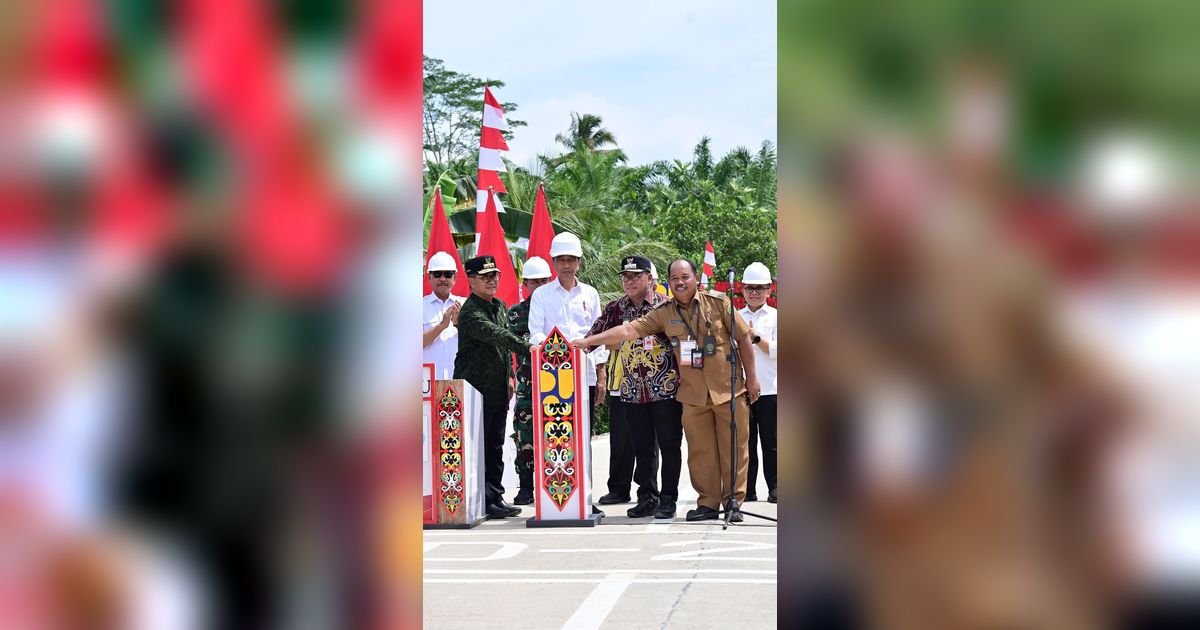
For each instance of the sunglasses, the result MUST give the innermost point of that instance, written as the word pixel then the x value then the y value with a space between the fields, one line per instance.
pixel 755 289
pixel 442 274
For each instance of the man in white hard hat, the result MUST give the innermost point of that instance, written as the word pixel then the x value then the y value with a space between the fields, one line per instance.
pixel 572 307
pixel 762 319
pixel 534 274
pixel 440 316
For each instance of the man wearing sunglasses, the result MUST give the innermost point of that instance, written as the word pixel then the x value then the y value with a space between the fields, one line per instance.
pixel 440 316
pixel 762 318
pixel 484 361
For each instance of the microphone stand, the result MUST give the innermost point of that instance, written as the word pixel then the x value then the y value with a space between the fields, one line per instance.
pixel 731 505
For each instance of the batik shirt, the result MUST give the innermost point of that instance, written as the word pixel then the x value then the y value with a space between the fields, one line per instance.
pixel 645 369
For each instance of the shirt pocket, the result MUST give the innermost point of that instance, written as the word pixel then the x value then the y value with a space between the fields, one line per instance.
pixel 676 331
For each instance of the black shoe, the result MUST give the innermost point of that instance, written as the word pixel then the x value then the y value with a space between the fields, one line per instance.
pixel 596 510
pixel 750 497
pixel 702 513
pixel 496 510
pixel 508 506
pixel 735 516
pixel 613 498
pixel 666 509
pixel 645 507
pixel 771 498
pixel 525 493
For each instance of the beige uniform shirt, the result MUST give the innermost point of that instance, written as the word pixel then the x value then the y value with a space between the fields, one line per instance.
pixel 708 314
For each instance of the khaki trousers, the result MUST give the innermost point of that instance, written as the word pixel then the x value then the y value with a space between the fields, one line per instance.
pixel 707 430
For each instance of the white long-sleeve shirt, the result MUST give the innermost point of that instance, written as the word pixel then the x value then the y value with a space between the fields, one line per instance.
pixel 442 350
pixel 765 322
pixel 573 312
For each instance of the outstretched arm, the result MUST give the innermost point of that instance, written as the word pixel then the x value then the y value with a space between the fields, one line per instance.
pixel 614 335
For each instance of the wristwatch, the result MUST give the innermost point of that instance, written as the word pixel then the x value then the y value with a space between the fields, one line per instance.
pixel 756 339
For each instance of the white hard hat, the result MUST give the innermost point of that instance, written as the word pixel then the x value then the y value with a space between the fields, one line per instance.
pixel 654 272
pixel 756 273
pixel 566 244
pixel 535 268
pixel 442 261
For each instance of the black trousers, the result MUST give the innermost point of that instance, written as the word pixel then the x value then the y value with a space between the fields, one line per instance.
pixel 763 423
pixel 656 427
pixel 494 421
pixel 620 448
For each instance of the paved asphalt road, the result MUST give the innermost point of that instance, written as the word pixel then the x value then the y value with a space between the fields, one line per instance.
pixel 624 573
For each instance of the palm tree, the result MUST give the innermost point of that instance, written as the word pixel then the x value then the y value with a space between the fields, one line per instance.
pixel 702 159
pixel 586 132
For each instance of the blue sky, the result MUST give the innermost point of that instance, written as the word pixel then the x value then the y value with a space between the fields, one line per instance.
pixel 660 73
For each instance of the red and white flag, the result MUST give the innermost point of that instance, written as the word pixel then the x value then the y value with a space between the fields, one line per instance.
pixel 441 240
pixel 710 263
pixel 541 233
pixel 491 143
pixel 492 243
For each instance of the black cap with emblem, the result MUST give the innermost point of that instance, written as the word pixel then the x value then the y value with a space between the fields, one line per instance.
pixel 638 264
pixel 481 265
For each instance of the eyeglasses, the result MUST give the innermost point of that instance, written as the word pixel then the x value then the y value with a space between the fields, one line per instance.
pixel 491 277
pixel 755 288
pixel 630 277
pixel 442 274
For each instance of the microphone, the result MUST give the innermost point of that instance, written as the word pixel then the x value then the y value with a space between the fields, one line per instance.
pixel 731 276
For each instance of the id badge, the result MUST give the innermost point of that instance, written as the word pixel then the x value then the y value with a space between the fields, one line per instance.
pixel 686 347
pixel 697 358
pixel 648 344
pixel 710 345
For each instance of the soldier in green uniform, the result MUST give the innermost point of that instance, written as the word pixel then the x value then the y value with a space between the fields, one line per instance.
pixel 484 360
pixel 535 273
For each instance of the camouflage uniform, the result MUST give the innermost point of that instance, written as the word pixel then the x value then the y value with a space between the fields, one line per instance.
pixel 518 324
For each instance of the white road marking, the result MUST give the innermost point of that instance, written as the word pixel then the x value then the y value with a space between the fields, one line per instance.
pixel 705 527
pixel 506 550
pixel 599 549
pixel 593 571
pixel 594 610
pixel 597 580
pixel 711 554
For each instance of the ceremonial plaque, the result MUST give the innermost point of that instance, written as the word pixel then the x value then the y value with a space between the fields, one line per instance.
pixel 426 435
pixel 456 455
pixel 561 436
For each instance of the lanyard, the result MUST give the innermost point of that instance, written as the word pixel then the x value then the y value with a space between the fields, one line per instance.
pixel 707 324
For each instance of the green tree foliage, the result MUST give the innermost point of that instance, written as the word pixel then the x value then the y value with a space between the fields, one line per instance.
pixel 731 203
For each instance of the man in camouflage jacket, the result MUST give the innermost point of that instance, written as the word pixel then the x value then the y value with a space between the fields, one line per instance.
pixel 535 273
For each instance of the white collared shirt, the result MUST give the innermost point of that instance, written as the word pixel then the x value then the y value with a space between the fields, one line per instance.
pixel 442 350
pixel 573 312
pixel 765 322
